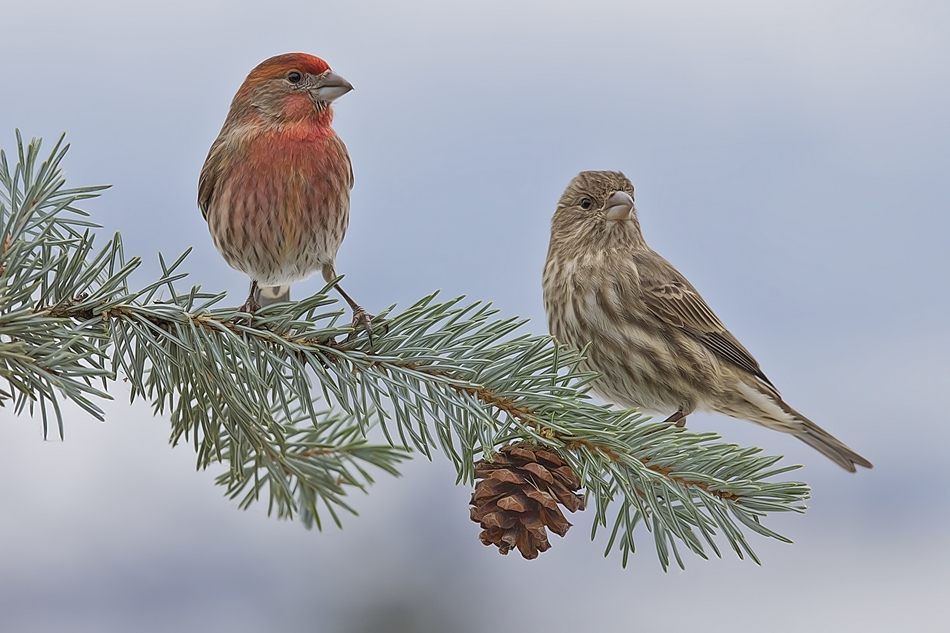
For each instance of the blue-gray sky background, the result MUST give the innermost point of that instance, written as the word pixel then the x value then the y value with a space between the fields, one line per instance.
pixel 790 158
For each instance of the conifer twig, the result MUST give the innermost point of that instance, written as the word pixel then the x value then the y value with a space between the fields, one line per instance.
pixel 287 401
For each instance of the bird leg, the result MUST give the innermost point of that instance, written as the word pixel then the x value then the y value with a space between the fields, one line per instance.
pixel 252 305
pixel 678 418
pixel 360 315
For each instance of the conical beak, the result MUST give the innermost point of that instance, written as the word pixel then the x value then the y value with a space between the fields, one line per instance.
pixel 330 86
pixel 619 206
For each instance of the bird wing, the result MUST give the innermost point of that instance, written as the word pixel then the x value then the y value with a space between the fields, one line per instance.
pixel 341 148
pixel 671 298
pixel 209 177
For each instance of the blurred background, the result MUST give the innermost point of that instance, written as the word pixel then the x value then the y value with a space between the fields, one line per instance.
pixel 791 159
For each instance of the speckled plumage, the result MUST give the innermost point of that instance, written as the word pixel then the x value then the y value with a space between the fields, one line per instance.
pixel 654 340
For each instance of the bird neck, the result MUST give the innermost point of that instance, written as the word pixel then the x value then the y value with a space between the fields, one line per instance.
pixel 302 109
pixel 626 234
pixel 310 128
pixel 254 123
pixel 264 112
pixel 599 235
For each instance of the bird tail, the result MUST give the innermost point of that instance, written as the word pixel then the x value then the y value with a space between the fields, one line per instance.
pixel 829 446
pixel 772 412
pixel 267 295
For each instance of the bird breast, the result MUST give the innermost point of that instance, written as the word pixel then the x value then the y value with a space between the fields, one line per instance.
pixel 596 300
pixel 280 207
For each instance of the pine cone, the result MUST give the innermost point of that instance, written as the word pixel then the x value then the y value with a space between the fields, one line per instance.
pixel 518 497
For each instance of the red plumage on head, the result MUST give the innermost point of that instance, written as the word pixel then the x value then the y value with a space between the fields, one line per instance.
pixel 278 65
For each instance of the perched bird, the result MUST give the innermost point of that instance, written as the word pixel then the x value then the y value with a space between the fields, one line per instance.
pixel 655 343
pixel 275 187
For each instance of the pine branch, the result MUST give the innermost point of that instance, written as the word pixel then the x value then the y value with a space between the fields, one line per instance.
pixel 246 391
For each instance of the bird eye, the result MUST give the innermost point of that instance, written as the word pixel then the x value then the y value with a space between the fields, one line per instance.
pixel 294 77
pixel 586 203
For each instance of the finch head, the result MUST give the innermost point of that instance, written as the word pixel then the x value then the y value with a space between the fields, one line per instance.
pixel 288 88
pixel 596 209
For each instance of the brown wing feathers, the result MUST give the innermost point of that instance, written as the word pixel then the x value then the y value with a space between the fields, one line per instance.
pixel 672 299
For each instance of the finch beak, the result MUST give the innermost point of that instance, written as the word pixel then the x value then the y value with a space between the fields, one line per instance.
pixel 619 206
pixel 330 86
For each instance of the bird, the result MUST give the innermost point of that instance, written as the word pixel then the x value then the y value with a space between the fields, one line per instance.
pixel 275 186
pixel 655 343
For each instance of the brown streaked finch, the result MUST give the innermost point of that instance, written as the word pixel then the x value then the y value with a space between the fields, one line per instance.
pixel 275 187
pixel 655 343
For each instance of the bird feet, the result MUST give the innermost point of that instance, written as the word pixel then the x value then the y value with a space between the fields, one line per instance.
pixel 363 318
pixel 360 316
pixel 250 306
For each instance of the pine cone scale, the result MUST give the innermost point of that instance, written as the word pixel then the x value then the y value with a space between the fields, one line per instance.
pixel 540 471
pixel 514 503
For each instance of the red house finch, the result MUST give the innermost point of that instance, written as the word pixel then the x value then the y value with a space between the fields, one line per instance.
pixel 275 187
pixel 653 339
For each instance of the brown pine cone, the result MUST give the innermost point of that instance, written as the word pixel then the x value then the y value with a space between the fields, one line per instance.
pixel 518 497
